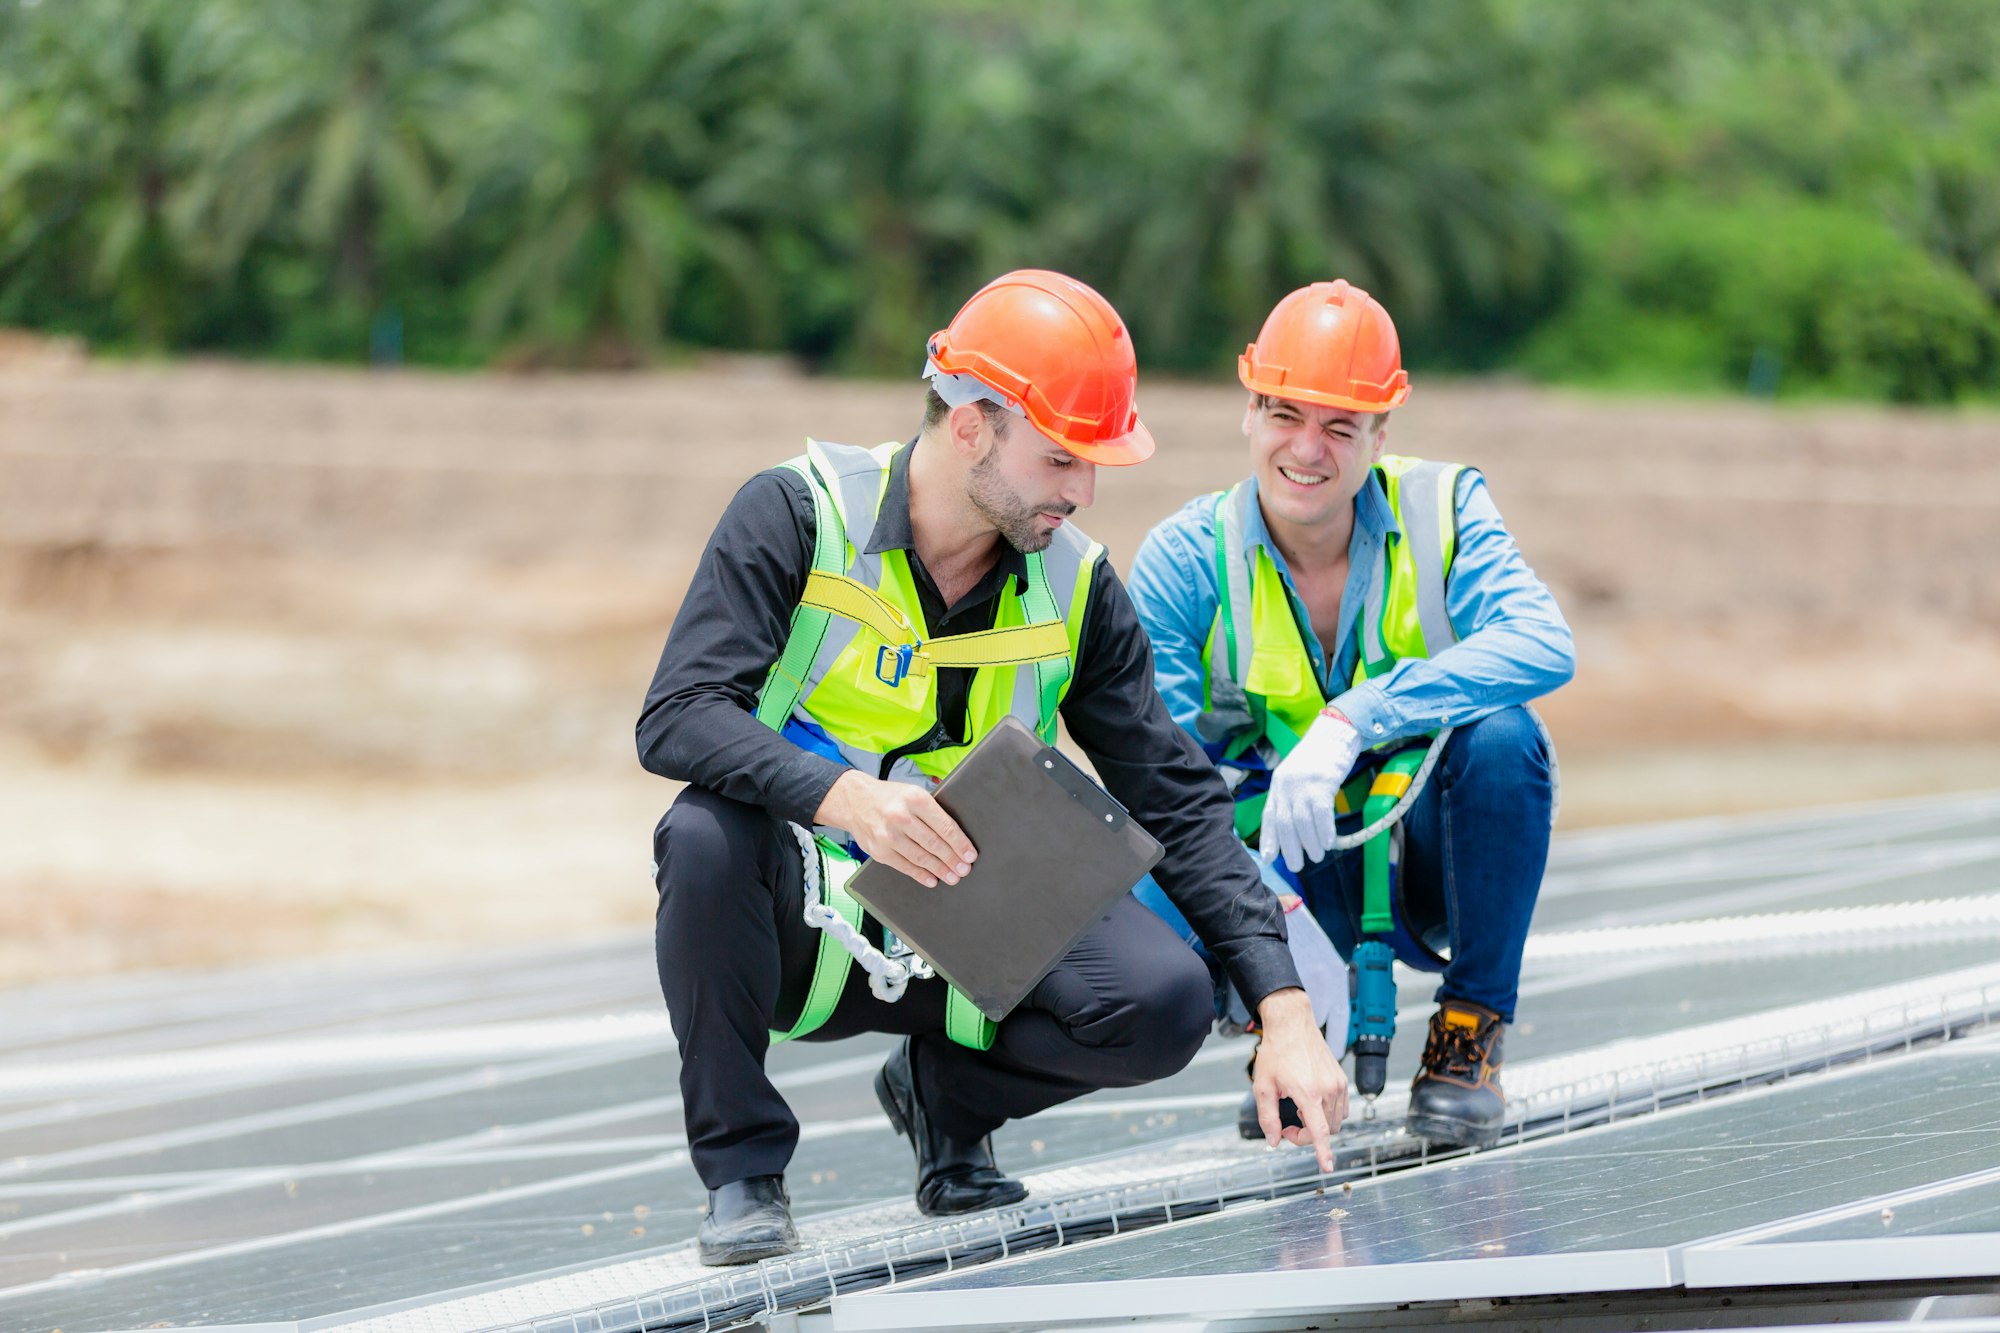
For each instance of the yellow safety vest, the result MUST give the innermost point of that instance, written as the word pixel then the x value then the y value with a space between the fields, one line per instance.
pixel 1262 692
pixel 858 669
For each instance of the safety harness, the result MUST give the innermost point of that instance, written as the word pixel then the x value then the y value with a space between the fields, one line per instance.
pixel 1263 691
pixel 833 607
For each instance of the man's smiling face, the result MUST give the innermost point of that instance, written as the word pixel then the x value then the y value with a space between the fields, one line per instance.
pixel 1310 461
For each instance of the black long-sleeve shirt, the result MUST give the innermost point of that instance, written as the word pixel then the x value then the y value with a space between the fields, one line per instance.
pixel 699 723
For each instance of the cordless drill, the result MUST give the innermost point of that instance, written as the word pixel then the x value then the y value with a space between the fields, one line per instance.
pixel 1371 1023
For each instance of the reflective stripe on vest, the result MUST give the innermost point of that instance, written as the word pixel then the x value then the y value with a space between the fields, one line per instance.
pixel 858 669
pixel 1407 617
pixel 1262 689
pixel 1022 665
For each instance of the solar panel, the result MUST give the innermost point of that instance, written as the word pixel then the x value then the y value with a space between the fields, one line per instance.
pixel 276 1144
pixel 1602 1210
pixel 1951 848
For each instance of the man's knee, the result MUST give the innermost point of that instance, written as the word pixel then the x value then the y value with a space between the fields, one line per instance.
pixel 1174 1007
pixel 709 847
pixel 1140 1022
pixel 1509 743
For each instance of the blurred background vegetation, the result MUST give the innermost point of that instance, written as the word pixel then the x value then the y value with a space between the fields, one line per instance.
pixel 1795 197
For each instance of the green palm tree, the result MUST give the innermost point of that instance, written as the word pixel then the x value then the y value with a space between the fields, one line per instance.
pixel 95 159
pixel 937 150
pixel 1292 140
pixel 329 130
pixel 622 143
pixel 896 168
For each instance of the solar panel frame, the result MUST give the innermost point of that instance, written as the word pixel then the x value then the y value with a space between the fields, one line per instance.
pixel 1949 1228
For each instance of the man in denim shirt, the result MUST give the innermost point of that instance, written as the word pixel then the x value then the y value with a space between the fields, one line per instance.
pixel 1344 599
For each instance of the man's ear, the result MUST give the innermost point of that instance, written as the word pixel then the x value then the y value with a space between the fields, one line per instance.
pixel 1249 415
pixel 970 434
pixel 1381 438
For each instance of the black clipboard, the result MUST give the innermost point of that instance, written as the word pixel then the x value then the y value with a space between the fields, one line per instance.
pixel 1055 852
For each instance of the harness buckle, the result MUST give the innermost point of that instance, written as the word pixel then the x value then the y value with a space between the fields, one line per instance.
pixel 893 662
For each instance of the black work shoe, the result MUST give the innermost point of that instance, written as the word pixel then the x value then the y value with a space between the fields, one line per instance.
pixel 1456 1098
pixel 953 1175
pixel 747 1220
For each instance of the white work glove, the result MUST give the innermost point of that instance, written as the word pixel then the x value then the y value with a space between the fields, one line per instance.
pixel 1298 813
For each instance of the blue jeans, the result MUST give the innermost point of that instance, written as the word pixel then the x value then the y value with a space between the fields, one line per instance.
pixel 1475 845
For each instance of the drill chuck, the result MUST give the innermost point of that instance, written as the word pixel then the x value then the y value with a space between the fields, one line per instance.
pixel 1371 1069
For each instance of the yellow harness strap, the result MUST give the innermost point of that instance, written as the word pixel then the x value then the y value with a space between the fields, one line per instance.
pixel 1014 645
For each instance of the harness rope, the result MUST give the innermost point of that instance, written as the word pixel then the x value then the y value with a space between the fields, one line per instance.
pixel 887 977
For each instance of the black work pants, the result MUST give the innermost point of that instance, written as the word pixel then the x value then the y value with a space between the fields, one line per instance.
pixel 1128 1004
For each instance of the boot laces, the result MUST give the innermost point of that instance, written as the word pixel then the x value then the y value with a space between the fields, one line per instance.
pixel 1455 1050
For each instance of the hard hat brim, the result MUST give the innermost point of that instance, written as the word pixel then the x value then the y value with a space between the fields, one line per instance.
pixel 1319 399
pixel 1248 372
pixel 1135 446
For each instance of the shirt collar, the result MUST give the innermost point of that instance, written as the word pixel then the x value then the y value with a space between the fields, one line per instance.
pixel 1374 519
pixel 892 520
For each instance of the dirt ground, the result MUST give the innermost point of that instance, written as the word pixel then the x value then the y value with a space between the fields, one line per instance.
pixel 293 661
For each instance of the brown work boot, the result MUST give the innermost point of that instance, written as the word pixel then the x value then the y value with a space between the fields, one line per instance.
pixel 1456 1100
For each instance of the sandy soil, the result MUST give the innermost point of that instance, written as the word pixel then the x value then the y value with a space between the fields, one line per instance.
pixel 304 660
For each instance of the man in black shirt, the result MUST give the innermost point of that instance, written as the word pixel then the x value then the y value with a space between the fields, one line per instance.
pixel 784 719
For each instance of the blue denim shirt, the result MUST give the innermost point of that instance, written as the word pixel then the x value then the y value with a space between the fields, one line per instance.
pixel 1513 643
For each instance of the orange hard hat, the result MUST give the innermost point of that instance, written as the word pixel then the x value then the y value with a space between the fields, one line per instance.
pixel 1331 344
pixel 1057 351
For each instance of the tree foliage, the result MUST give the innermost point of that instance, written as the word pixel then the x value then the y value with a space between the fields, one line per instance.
pixel 1794 195
pixel 95 165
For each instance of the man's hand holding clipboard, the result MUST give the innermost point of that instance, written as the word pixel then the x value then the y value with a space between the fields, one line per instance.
pixel 899 825
pixel 1045 852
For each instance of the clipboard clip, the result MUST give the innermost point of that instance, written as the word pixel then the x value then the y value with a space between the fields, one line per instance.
pixel 893 662
pixel 1081 789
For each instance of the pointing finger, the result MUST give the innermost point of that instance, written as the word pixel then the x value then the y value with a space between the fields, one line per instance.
pixel 1314 1116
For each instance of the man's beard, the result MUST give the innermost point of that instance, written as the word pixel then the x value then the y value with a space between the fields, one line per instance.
pixel 1013 516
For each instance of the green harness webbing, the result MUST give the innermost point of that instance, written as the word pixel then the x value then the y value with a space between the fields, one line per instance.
pixel 1012 645
pixel 1052 674
pixel 808 631
pixel 1377 798
pixel 830 966
pixel 963 1022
